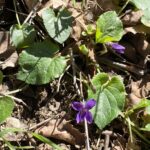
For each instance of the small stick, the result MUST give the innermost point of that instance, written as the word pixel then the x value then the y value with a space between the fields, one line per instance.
pixel 33 11
pixel 107 138
pixel 58 84
pixel 17 17
pixel 85 121
pixel 74 72
pixel 16 99
pixel 87 134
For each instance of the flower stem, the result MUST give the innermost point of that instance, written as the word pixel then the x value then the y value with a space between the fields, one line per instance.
pixel 86 133
pixel 17 17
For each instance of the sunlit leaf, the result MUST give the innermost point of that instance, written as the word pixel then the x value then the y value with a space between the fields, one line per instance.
pixel 141 4
pixel 110 97
pixel 58 27
pixel 38 64
pixel 108 28
pixel 6 108
pixel 146 17
pixel 22 36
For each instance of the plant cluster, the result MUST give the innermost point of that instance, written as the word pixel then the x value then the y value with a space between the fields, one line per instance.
pixel 41 61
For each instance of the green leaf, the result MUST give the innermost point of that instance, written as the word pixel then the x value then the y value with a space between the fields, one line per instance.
pixel 144 103
pixel 83 49
pixel 1 77
pixel 58 27
pixel 146 128
pixel 147 110
pixel 109 28
pixel 6 108
pixel 22 36
pixel 141 4
pixel 46 140
pixel 146 17
pixel 110 97
pixel 38 64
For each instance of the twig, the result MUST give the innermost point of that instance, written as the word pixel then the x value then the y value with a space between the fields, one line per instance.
pixel 33 11
pixel 123 7
pixel 124 67
pixel 40 124
pixel 74 72
pixel 8 94
pixel 17 17
pixel 107 138
pixel 58 84
pixel 85 121
pixel 16 99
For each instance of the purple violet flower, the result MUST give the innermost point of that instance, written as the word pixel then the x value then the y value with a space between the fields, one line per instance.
pixel 117 47
pixel 83 110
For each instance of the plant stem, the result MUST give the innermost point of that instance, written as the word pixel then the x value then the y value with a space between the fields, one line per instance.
pixel 17 17
pixel 123 7
pixel 86 133
pixel 140 135
pixel 130 129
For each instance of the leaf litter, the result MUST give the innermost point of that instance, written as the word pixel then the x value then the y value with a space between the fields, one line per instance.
pixel 46 101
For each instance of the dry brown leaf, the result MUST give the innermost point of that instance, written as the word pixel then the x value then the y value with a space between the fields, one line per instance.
pixel 10 61
pixel 31 3
pixel 5 41
pixel 134 144
pixel 8 55
pixel 140 28
pixel 108 4
pixel 139 89
pixel 139 42
pixel 133 18
pixel 12 122
pixel 62 130
pixel 130 52
pixel 55 4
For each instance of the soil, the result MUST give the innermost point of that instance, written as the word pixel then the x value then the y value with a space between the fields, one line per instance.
pixel 46 109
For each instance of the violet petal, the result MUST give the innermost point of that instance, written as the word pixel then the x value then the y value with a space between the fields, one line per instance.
pixel 80 116
pixel 119 48
pixel 90 103
pixel 78 106
pixel 89 117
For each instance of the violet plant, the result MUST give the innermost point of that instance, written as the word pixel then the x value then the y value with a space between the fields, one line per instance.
pixel 83 110
pixel 85 115
pixel 117 47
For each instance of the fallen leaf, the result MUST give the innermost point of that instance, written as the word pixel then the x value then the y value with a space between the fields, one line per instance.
pixel 133 18
pixel 10 61
pixel 139 89
pixel 5 41
pixel 55 4
pixel 8 55
pixel 12 122
pixel 31 3
pixel 62 130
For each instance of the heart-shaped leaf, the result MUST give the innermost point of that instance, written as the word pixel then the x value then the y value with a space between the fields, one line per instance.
pixel 109 28
pixel 38 64
pixel 59 28
pixel 22 36
pixel 110 97
pixel 141 4
pixel 6 108
pixel 146 17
